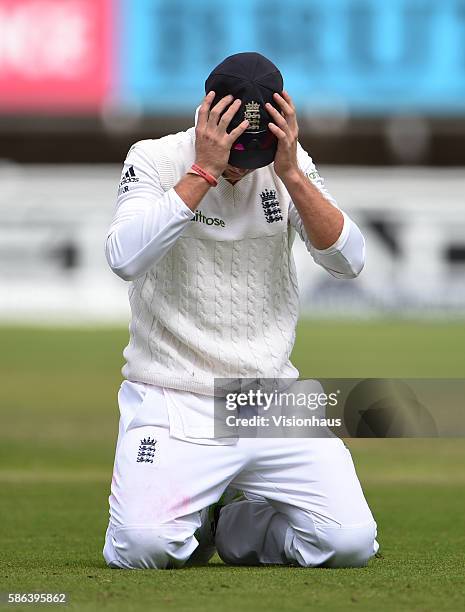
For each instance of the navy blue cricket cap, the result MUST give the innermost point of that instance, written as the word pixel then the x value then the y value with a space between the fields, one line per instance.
pixel 253 79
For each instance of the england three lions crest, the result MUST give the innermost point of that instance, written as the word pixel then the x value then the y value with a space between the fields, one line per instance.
pixel 270 206
pixel 146 451
pixel 252 114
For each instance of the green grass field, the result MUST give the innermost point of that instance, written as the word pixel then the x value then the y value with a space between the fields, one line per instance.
pixel 58 423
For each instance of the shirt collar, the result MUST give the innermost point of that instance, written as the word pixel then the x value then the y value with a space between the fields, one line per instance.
pixel 196 115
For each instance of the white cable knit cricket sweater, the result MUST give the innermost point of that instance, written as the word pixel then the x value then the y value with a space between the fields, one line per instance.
pixel 216 292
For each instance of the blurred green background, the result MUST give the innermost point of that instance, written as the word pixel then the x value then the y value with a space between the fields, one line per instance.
pixel 59 415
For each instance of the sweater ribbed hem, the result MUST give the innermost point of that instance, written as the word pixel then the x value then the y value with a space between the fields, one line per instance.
pixel 201 386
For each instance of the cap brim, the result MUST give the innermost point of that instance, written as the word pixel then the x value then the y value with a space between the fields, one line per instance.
pixel 252 159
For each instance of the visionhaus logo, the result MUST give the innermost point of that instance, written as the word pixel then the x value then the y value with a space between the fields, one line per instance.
pixel 201 218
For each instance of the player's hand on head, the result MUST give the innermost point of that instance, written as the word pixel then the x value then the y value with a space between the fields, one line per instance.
pixel 285 127
pixel 212 141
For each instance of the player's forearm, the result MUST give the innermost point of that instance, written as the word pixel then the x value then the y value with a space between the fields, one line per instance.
pixel 346 257
pixel 322 221
pixel 192 189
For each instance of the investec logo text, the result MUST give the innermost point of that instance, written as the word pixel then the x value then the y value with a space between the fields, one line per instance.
pixel 201 218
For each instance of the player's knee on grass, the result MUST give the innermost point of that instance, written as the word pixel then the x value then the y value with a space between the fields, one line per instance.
pixel 347 546
pixel 157 547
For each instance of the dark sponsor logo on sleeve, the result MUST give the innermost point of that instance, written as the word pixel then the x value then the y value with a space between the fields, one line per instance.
pixel 128 177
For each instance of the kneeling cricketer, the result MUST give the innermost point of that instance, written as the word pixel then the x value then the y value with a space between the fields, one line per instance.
pixel 202 232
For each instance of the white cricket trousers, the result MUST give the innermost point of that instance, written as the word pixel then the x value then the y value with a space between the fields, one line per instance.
pixel 304 505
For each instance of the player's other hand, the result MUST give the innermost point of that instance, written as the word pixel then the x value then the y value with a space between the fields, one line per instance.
pixel 212 142
pixel 284 127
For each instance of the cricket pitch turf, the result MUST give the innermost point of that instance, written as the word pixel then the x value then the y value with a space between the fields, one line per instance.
pixel 58 416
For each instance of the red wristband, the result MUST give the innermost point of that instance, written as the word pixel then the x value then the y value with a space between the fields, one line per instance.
pixel 204 174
